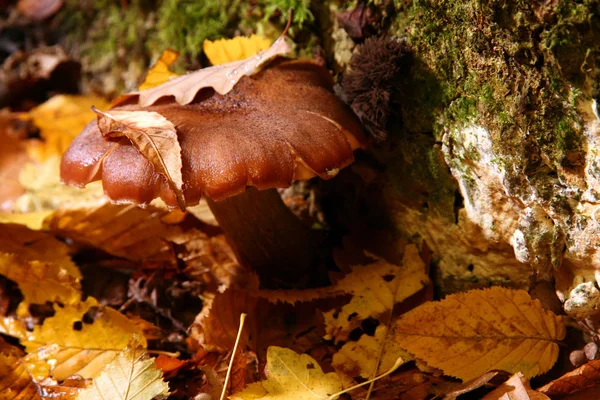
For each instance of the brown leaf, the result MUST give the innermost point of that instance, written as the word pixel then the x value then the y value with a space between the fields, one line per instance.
pixel 222 78
pixel 584 377
pixel 153 136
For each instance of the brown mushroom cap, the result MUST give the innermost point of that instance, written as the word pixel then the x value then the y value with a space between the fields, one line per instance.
pixel 279 125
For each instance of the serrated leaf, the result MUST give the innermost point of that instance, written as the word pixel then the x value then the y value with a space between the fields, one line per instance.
pixel 375 289
pixel 291 376
pixel 154 136
pixel 222 78
pixel 515 388
pixel 131 375
pixel 584 377
pixel 72 346
pixel 160 73
pixel 467 334
pixel 222 51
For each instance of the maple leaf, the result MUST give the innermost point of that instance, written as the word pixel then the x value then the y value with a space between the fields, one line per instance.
pixel 291 376
pixel 376 288
pixel 222 51
pixel 131 375
pixel 72 346
pixel 159 73
pixel 153 136
pixel 467 334
pixel 222 78
pixel 584 377
pixel 39 264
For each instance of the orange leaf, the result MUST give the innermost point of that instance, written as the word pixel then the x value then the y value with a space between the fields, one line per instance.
pixel 467 334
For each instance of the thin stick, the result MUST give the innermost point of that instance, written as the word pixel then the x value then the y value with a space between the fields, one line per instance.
pixel 237 340
pixel 398 363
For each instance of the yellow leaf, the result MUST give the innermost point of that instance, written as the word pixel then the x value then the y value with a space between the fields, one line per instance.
pixel 376 288
pixel 44 192
pixel 137 234
pixel 131 375
pixel 15 382
pixel 468 334
pixel 226 50
pixel 360 358
pixel 154 136
pixel 60 120
pixel 159 73
pixel 13 327
pixel 39 264
pixel 72 346
pixel 292 376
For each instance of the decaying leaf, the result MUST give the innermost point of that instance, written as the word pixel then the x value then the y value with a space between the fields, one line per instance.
pixel 515 388
pixel 291 376
pixel 72 345
pixel 222 78
pixel 375 289
pixel 360 358
pixel 467 334
pixel 222 51
pixel 581 378
pixel 131 375
pixel 154 137
pixel 160 73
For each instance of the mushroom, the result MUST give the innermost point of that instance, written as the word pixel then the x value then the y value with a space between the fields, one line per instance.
pixel 282 124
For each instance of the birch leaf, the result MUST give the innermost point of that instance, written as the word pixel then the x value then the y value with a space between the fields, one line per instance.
pixel 131 375
pixel 72 346
pixel 222 78
pixel 292 376
pixel 468 334
pixel 154 136
pixel 584 377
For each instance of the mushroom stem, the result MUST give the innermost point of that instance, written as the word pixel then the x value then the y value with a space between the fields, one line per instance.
pixel 267 237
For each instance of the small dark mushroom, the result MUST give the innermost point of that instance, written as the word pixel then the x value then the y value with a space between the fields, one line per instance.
pixel 279 125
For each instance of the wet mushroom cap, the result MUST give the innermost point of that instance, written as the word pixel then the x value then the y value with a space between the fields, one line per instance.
pixel 279 125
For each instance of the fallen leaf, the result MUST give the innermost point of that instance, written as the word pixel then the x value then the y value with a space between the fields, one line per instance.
pixel 375 289
pixel 467 334
pixel 131 375
pixel 360 358
pixel 134 233
pixel 71 345
pixel 60 119
pixel 451 390
pixel 579 379
pixel 39 264
pixel 160 73
pixel 291 376
pixel 15 382
pixel 154 137
pixel 222 51
pixel 515 388
pixel 222 78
